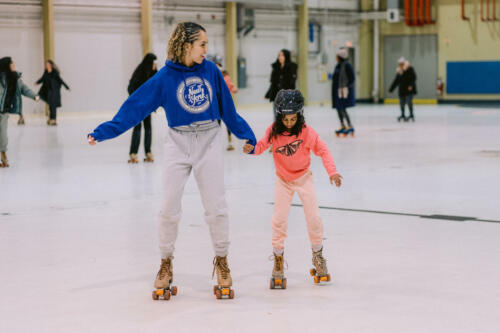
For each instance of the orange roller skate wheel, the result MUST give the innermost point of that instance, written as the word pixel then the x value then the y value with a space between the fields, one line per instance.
pixel 316 279
pixel 312 272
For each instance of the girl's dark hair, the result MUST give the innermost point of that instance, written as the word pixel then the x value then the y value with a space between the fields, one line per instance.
pixel 288 57
pixel 145 68
pixel 185 32
pixel 54 66
pixel 11 76
pixel 279 128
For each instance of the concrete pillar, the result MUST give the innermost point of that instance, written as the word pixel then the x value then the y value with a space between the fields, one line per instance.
pixel 48 29
pixel 48 34
pixel 303 49
pixel 366 52
pixel 231 43
pixel 147 26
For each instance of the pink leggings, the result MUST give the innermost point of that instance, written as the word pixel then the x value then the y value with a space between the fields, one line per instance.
pixel 283 194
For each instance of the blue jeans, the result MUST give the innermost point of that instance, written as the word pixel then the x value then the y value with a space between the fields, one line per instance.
pixel 403 100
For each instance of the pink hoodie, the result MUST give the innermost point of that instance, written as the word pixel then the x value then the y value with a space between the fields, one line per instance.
pixel 292 155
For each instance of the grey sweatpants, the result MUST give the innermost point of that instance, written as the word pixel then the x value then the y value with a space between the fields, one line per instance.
pixel 4 140
pixel 200 152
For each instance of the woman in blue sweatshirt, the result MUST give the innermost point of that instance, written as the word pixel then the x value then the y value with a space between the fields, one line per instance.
pixel 195 98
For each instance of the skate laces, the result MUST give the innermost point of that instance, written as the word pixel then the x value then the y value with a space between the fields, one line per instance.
pixel 279 262
pixel 164 268
pixel 221 263
pixel 318 259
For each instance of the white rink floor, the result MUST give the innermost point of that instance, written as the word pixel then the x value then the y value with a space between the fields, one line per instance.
pixel 78 245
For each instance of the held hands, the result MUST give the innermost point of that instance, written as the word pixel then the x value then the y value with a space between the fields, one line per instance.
pixel 247 148
pixel 37 98
pixel 337 178
pixel 92 141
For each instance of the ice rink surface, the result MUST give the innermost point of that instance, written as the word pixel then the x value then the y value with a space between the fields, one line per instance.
pixel 79 249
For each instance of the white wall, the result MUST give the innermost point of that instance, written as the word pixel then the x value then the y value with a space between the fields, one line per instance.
pixel 97 46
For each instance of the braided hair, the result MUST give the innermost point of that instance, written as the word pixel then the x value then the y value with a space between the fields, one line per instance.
pixel 184 33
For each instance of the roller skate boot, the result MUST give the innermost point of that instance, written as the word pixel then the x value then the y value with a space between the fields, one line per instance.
pixel 163 281
pixel 320 271
pixel 278 279
pixel 403 118
pixel 149 158
pixel 224 281
pixel 4 161
pixel 340 131
pixel 133 159
pixel 230 147
pixel 412 118
pixel 349 130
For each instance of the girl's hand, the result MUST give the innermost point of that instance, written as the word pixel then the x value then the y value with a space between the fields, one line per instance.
pixel 92 141
pixel 337 178
pixel 247 148
pixel 37 98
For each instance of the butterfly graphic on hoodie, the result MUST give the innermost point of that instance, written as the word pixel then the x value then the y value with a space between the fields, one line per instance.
pixel 289 149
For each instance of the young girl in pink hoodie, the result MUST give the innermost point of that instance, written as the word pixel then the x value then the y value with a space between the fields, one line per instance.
pixel 292 142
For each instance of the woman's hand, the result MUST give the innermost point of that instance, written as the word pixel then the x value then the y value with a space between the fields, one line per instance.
pixel 91 139
pixel 247 148
pixel 337 179
pixel 37 98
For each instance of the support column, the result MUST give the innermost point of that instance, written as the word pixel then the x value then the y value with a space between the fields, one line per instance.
pixel 147 26
pixel 48 29
pixel 303 49
pixel 231 43
pixel 366 50
pixel 48 35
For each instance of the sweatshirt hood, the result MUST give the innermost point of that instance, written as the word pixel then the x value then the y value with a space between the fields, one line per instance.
pixel 183 68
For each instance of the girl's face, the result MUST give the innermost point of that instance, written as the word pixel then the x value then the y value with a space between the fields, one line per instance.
pixel 154 65
pixel 48 66
pixel 195 53
pixel 281 58
pixel 289 120
pixel 12 67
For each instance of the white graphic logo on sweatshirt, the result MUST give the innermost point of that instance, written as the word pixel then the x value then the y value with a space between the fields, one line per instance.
pixel 195 95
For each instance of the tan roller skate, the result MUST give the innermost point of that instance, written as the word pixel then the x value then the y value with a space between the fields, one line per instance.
pixel 224 281
pixel 163 281
pixel 133 159
pixel 4 161
pixel 320 271
pixel 149 158
pixel 278 280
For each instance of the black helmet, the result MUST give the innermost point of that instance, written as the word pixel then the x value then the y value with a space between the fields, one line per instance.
pixel 289 101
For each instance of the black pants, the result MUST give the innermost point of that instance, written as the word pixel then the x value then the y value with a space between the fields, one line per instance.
pixel 53 112
pixel 136 136
pixel 403 100
pixel 343 115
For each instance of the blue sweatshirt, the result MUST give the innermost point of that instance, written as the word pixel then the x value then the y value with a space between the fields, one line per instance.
pixel 188 95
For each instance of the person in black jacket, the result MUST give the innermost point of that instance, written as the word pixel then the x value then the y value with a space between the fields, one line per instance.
pixel 143 72
pixel 343 91
pixel 283 76
pixel 50 92
pixel 405 80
